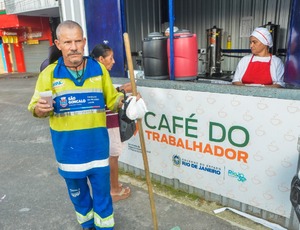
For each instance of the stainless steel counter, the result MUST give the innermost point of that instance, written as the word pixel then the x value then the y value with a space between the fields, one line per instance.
pixel 218 86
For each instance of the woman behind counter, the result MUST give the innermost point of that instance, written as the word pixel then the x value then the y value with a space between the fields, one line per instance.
pixel 260 67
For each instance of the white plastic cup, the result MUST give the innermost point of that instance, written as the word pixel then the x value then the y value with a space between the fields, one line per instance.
pixel 47 95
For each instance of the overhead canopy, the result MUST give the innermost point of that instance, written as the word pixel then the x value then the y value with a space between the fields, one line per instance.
pixel 18 28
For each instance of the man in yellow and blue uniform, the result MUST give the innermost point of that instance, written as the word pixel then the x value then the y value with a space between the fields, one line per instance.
pixel 81 87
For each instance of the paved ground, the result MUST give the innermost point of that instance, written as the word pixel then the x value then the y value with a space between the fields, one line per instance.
pixel 33 196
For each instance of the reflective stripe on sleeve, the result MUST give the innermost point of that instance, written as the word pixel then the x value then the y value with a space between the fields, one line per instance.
pixel 83 167
pixel 107 222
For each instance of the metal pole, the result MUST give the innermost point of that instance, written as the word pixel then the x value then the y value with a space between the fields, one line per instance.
pixel 171 27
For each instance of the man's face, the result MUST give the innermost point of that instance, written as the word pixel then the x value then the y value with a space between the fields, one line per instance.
pixel 71 43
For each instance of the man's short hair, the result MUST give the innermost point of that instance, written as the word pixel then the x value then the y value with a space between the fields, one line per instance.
pixel 67 24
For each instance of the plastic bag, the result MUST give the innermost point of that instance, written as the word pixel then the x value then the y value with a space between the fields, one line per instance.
pixel 127 125
pixel 136 108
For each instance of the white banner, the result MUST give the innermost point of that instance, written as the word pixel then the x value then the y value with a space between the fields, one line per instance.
pixel 240 147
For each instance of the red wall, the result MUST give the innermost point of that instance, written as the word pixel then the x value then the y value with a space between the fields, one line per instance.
pixel 23 25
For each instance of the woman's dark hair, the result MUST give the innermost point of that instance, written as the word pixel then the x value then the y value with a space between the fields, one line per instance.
pixel 100 50
pixel 53 54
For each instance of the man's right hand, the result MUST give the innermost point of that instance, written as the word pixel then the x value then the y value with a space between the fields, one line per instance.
pixel 42 108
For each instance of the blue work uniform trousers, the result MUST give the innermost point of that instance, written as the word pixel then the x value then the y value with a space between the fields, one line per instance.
pixel 87 206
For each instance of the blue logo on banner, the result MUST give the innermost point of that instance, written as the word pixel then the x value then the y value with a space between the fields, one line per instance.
pixel 176 160
pixel 240 176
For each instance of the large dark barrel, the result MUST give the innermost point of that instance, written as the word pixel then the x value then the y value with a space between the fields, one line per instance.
pixel 155 57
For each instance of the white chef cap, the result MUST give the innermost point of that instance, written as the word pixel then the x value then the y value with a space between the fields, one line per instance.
pixel 263 35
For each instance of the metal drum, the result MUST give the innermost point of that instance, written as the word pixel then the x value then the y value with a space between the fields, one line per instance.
pixel 155 56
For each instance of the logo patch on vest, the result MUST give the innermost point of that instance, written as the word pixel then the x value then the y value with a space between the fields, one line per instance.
pixel 58 83
pixel 63 102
